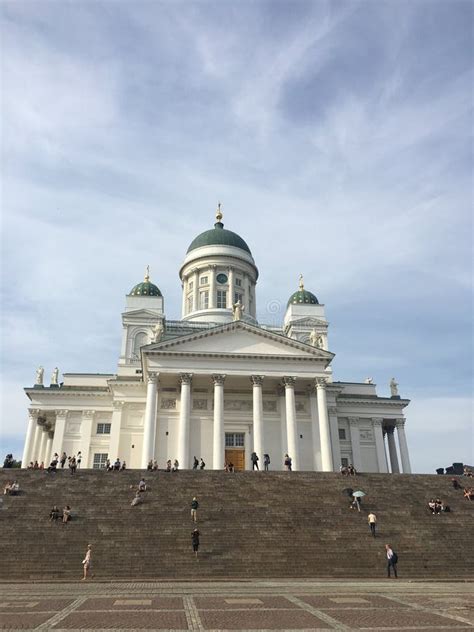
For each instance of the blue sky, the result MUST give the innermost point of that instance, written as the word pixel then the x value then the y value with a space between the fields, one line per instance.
pixel 338 136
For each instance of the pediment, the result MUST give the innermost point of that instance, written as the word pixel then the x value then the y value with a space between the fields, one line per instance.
pixel 308 322
pixel 147 314
pixel 237 339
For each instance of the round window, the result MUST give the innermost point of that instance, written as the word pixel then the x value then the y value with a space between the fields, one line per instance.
pixel 221 278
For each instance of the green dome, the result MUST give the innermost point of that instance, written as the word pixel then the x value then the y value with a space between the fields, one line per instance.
pixel 302 296
pixel 145 288
pixel 219 236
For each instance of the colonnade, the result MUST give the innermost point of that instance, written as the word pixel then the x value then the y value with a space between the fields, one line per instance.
pixel 39 439
pixel 322 449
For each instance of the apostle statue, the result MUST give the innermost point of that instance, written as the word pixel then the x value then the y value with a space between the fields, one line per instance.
pixel 393 387
pixel 238 310
pixel 157 331
pixel 369 380
pixel 315 339
pixel 39 376
pixel 54 377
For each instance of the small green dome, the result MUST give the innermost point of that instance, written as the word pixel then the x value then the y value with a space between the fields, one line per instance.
pixel 146 287
pixel 219 236
pixel 302 296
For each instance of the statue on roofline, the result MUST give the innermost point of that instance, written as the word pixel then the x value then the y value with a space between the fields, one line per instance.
pixel 315 339
pixel 39 376
pixel 157 331
pixel 54 377
pixel 238 310
pixel 393 387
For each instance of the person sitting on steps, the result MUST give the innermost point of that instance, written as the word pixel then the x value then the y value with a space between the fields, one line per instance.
pixel 66 514
pixel 54 513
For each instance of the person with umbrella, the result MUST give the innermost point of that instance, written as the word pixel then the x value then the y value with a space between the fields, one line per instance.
pixel 357 496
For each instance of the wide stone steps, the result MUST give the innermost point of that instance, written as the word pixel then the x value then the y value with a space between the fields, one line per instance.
pixel 253 524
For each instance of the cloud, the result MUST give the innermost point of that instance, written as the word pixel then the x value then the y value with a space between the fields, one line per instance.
pixel 340 147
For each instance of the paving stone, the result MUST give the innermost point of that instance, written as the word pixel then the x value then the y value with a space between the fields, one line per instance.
pixel 36 605
pixel 19 621
pixel 261 619
pixel 144 620
pixel 398 619
pixel 352 601
pixel 229 603
pixel 130 603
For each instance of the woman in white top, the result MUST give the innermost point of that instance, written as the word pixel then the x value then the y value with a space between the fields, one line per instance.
pixel 87 562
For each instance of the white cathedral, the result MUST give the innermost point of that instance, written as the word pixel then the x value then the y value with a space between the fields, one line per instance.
pixel 217 384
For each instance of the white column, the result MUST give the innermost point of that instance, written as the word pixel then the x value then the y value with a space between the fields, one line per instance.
pixel 49 445
pixel 335 442
pixel 392 450
pixel 313 409
pixel 42 444
pixel 379 445
pixel 212 287
pixel 86 435
pixel 355 442
pixel 291 427
pixel 283 433
pixel 59 430
pixel 258 432
pixel 402 442
pixel 324 430
pixel 183 303
pixel 149 426
pixel 195 290
pixel 218 452
pixel 36 442
pixel 115 430
pixel 33 414
pixel 230 296
pixel 184 420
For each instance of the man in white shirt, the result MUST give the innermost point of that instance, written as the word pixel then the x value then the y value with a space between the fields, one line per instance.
pixel 372 520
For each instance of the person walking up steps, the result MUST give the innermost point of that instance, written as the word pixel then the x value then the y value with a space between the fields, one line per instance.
pixel 254 459
pixel 372 520
pixel 87 562
pixel 195 541
pixel 194 508
pixel 392 559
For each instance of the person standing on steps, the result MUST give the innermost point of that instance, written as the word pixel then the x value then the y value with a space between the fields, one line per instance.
pixel 203 465
pixel 195 464
pixel 195 541
pixel 392 560
pixel 254 459
pixel 266 462
pixel 287 463
pixel 194 508
pixel 63 460
pixel 87 562
pixel 372 520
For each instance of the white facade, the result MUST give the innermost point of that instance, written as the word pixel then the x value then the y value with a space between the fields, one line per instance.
pixel 218 385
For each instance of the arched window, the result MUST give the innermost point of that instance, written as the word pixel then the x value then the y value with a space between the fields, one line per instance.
pixel 141 339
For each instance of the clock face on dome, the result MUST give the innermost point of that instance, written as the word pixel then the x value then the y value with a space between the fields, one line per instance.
pixel 221 278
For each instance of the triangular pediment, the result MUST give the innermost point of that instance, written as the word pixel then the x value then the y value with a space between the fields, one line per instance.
pixel 238 338
pixel 308 322
pixel 142 313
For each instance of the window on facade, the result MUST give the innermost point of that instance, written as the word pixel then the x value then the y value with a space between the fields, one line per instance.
pixel 100 459
pixel 141 339
pixel 238 297
pixel 203 300
pixel 204 280
pixel 344 462
pixel 189 304
pixel 238 282
pixel 190 285
pixel 221 299
pixel 342 434
pixel 103 428
pixel 234 439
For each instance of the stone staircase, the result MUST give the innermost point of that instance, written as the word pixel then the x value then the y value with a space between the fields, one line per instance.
pixel 252 524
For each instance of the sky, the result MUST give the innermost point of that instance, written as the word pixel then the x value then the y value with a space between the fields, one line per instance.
pixel 337 135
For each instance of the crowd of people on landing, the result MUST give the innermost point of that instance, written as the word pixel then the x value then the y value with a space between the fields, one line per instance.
pixel 348 470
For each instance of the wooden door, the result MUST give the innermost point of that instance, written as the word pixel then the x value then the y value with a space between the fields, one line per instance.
pixel 237 457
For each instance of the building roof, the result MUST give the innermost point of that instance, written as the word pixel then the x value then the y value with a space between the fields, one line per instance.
pixel 146 287
pixel 302 296
pixel 219 236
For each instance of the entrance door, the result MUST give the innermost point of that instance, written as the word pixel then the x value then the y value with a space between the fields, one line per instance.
pixel 237 457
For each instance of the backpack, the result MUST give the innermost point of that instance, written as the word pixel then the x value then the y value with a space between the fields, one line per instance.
pixel 394 559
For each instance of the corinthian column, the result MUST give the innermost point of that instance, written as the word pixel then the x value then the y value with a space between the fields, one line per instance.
pixel 42 443
pixel 59 430
pixel 335 441
pixel 291 427
pixel 86 435
pixel 313 408
pixel 149 426
pixel 184 420
pixel 392 450
pixel 379 445
pixel 257 381
pixel 324 431
pixel 33 414
pixel 402 442
pixel 218 451
pixel 355 441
